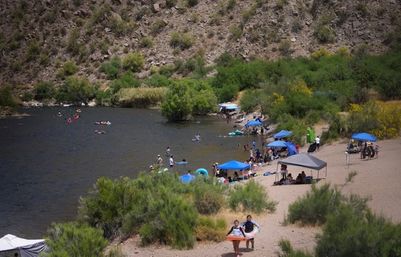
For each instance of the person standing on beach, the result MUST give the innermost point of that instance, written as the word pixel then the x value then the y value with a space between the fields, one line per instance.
pixel 317 141
pixel 249 225
pixel 168 151
pixel 159 160
pixel 171 161
pixel 236 230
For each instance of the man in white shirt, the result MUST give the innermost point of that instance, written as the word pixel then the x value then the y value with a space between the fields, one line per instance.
pixel 317 141
pixel 171 161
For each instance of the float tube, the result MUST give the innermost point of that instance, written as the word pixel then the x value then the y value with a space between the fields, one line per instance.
pixel 202 171
pixel 232 237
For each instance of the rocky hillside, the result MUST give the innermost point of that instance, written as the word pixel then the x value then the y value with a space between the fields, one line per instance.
pixel 38 37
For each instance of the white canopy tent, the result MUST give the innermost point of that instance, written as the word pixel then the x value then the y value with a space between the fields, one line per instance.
pixel 304 160
pixel 12 246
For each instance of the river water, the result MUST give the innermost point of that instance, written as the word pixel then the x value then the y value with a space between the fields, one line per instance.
pixel 46 165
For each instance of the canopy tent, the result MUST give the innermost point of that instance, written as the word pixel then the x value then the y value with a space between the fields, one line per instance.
pixel 228 106
pixel 291 148
pixel 277 144
pixel 11 245
pixel 187 178
pixel 282 134
pixel 253 123
pixel 364 137
pixel 304 160
pixel 233 165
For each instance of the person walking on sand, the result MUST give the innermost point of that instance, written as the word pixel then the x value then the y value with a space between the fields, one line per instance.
pixel 236 230
pixel 317 141
pixel 249 225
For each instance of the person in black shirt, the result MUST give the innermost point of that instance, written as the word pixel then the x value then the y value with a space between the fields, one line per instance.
pixel 249 225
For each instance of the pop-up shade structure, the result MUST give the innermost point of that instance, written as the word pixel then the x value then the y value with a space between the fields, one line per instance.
pixel 291 148
pixel 282 134
pixel 365 137
pixel 304 160
pixel 277 144
pixel 234 166
pixel 253 123
pixel 11 245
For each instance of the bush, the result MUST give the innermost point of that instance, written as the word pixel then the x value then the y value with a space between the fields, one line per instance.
pixel 285 47
pixel 192 3
pixel 211 229
pixel 324 33
pixel 314 207
pixel 69 68
pixel 288 251
pixel 76 90
pixel 74 240
pixel 126 80
pixel 249 100
pixel 133 62
pixel 177 105
pixel 181 40
pixel 7 98
pixel 44 90
pixel 157 80
pixel 146 42
pixel 250 197
pixel 171 3
pixel 140 97
pixel 208 196
pixel 235 32
pixel 111 68
pixel 158 26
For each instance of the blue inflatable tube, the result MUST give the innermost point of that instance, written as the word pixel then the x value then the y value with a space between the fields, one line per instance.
pixel 202 171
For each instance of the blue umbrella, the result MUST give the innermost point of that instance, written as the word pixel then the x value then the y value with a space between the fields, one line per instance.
pixel 282 134
pixel 233 165
pixel 277 144
pixel 187 178
pixel 202 171
pixel 364 137
pixel 253 123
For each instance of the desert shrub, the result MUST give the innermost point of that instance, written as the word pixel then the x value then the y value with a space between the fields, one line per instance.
pixel 192 3
pixel 111 68
pixel 44 90
pixel 251 197
pixel 118 25
pixel 76 90
pixel 288 251
pixel 7 98
pixel 314 207
pixel 208 196
pixel 324 33
pixel 167 70
pixel 69 68
pixel 285 47
pixel 126 80
pixel 181 40
pixel 74 240
pixel 104 97
pixel 171 3
pixel 173 222
pixel 33 50
pixel 178 103
pixel 235 32
pixel 157 26
pixel 73 44
pixel 140 97
pixel 146 42
pixel 133 61
pixel 351 233
pixel 115 252
pixel 210 229
pixel 157 80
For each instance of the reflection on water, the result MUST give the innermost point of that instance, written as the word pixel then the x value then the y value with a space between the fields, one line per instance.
pixel 45 165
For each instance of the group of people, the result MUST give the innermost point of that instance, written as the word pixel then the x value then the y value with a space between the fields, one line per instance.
pixel 159 160
pixel 244 231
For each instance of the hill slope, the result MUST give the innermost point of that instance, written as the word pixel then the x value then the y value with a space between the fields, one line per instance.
pixel 37 37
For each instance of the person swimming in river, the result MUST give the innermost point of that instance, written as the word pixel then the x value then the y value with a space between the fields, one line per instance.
pixel 197 138
pixel 168 151
pixel 237 231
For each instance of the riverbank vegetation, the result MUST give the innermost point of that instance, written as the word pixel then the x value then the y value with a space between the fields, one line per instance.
pixel 157 207
pixel 349 227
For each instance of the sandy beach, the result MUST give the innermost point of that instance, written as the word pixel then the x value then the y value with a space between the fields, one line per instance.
pixel 377 178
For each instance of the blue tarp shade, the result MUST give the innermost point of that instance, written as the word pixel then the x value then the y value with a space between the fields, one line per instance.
pixel 253 123
pixel 187 178
pixel 282 134
pixel 364 137
pixel 233 165
pixel 202 171
pixel 291 148
pixel 277 144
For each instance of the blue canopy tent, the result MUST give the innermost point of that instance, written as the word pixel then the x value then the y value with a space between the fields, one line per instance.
pixel 291 148
pixel 364 137
pixel 187 178
pixel 283 134
pixel 253 123
pixel 234 166
pixel 277 144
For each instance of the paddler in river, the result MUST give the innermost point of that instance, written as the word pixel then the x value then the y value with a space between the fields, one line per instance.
pixel 236 230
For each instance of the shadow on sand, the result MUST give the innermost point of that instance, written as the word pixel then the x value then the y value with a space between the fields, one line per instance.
pixel 232 254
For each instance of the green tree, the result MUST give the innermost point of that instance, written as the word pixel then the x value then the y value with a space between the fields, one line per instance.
pixel 178 103
pixel 133 61
pixel 76 90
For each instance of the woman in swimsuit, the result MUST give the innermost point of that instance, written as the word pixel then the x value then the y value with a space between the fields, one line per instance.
pixel 236 230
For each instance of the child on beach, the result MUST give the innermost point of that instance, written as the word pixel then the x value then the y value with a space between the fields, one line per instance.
pixel 249 226
pixel 236 230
